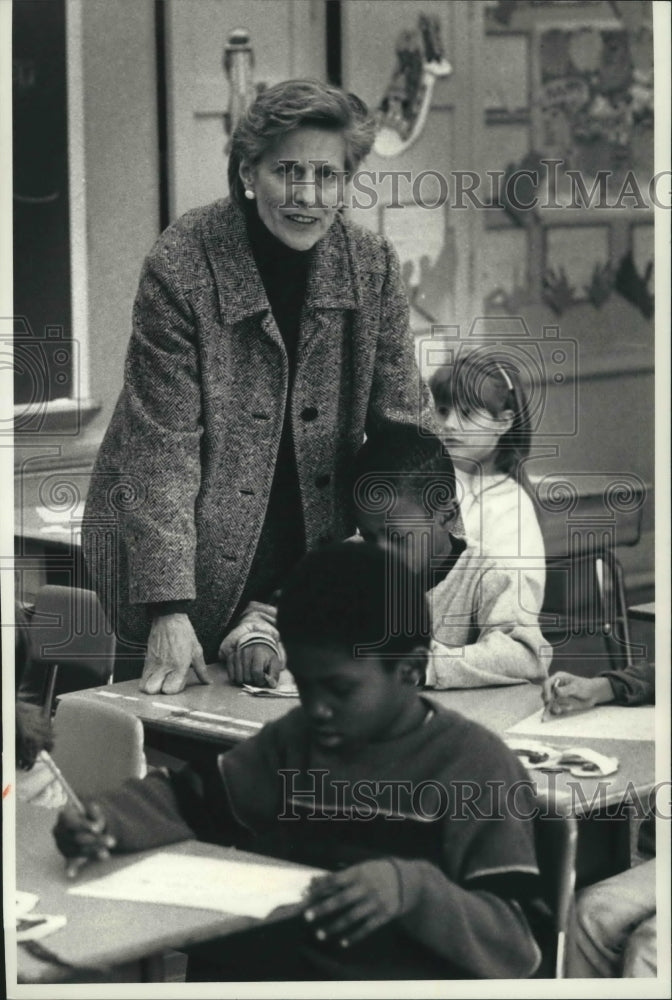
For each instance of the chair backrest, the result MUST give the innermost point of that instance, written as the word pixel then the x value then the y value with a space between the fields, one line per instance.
pixel 556 837
pixel 584 615
pixel 72 644
pixel 97 746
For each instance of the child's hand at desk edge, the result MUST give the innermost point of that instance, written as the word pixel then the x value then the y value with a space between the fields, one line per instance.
pixel 564 693
pixel 255 663
pixel 82 838
pixel 349 905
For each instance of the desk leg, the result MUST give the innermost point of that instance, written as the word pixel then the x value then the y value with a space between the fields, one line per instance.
pixel 153 969
pixel 167 967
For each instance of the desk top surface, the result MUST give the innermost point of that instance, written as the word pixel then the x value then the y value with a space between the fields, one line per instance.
pixel 222 714
pixel 99 933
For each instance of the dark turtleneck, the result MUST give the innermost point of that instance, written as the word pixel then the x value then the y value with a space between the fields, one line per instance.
pixel 284 274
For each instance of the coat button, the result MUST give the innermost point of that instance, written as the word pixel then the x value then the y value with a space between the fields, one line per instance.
pixel 309 413
pixel 323 480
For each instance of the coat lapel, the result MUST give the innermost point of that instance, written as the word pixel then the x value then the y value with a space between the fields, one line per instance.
pixel 239 286
pixel 332 281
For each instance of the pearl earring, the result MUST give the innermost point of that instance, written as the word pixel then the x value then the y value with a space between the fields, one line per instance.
pixel 249 193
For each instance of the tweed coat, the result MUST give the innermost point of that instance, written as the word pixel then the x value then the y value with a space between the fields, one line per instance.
pixel 183 476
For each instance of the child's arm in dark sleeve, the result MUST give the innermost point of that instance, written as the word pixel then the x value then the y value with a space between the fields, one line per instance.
pixel 209 802
pixel 469 909
pixel 164 808
pixel 634 685
pixel 145 813
pixel 483 933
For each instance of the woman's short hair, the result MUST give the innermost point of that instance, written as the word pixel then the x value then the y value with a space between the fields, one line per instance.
pixel 289 105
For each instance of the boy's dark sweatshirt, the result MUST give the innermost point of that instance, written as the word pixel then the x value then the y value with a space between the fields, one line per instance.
pixel 468 912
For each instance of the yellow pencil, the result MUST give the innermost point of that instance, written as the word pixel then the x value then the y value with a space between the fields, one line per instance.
pixel 546 714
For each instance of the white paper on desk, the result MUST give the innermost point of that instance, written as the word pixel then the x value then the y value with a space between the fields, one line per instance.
pixel 276 692
pixel 24 903
pixel 240 887
pixel 610 722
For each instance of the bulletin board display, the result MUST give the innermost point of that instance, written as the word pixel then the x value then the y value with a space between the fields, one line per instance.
pixel 594 98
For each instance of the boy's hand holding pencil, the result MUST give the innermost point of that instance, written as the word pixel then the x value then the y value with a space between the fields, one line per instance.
pixel 81 837
pixel 80 829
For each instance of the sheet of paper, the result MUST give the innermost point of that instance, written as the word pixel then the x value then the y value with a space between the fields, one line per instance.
pixel 34 926
pixel 277 692
pixel 25 901
pixel 240 887
pixel 610 722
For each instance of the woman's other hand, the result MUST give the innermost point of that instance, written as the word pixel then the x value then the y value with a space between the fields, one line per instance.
pixel 564 693
pixel 172 649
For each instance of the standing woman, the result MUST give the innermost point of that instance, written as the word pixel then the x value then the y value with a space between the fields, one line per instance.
pixel 269 335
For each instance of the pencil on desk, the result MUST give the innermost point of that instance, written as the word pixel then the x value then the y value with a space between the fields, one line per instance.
pixel 63 782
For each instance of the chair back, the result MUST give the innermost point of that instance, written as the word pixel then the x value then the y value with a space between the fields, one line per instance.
pixel 97 746
pixel 556 837
pixel 584 615
pixel 72 644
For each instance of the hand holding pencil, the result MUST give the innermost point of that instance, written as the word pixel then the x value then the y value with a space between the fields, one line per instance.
pixel 564 693
pixel 80 829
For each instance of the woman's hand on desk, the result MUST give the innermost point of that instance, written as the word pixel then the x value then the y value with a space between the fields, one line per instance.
pixel 172 650
pixel 564 693
pixel 82 837
pixel 349 905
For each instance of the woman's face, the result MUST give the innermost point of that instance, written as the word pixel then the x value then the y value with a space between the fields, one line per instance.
pixel 298 202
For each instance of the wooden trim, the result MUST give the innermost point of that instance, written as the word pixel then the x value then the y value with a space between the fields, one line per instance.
pixel 78 249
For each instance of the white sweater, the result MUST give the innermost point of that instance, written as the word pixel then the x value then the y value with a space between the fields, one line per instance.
pixel 500 520
pixel 485 626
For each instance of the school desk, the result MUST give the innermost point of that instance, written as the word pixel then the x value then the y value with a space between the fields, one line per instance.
pixel 105 940
pixel 207 719
pixel 218 715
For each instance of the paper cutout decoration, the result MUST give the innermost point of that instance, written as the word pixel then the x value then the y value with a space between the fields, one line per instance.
pixel 407 100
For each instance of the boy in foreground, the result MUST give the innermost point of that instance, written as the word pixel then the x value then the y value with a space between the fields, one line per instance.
pixel 364 743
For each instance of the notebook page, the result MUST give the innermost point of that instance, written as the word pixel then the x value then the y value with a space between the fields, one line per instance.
pixel 610 722
pixel 229 886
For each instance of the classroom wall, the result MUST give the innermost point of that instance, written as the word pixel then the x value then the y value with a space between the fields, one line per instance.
pixel 119 100
pixel 113 95
pixel 599 414
pixel 122 193
pixel 288 38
